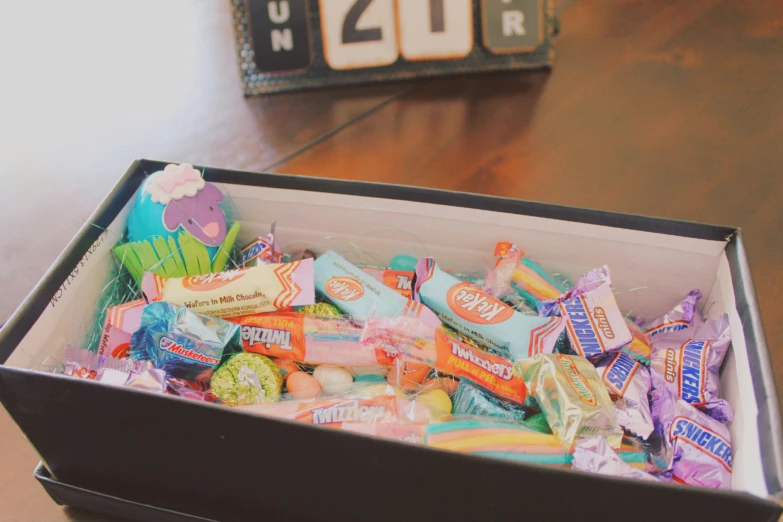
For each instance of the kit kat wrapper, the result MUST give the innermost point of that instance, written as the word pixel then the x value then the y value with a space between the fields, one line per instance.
pixel 234 293
pixel 308 339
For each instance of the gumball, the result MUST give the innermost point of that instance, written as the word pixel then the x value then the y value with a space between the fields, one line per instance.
pixel 302 385
pixel 403 262
pixel 334 380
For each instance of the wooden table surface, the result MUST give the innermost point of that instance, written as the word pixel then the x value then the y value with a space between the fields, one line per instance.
pixel 664 108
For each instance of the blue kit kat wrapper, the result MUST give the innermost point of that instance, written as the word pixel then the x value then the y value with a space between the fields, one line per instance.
pixel 184 344
pixel 473 312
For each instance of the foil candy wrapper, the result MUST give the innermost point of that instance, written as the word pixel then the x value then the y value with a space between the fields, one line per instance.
pixel 594 322
pixel 113 371
pixel 184 344
pixel 687 363
pixel 470 399
pixel 572 396
pixel 264 250
pixel 593 455
pixel 682 316
pixel 628 382
pixel 694 448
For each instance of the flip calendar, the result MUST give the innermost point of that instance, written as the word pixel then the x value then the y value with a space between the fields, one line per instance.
pixel 296 44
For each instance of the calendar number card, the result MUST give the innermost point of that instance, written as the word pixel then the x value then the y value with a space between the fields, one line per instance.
pixel 296 44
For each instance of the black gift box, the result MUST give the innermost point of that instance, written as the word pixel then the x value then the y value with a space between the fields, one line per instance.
pixel 111 448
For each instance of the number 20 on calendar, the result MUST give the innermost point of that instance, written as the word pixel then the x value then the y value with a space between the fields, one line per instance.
pixel 375 33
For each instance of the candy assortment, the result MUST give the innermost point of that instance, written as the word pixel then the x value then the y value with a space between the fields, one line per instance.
pixel 517 364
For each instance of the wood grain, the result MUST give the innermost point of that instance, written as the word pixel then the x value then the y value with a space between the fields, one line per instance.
pixel 664 108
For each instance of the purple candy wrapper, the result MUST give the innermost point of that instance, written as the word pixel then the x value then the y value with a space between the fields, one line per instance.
pixel 593 455
pixel 113 371
pixel 688 362
pixel 628 382
pixel 682 316
pixel 595 324
pixel 264 250
pixel 696 449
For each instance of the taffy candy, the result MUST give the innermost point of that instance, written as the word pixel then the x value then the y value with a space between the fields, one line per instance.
pixel 85 364
pixel 233 293
pixel 412 338
pixel 514 272
pixel 510 441
pixel 357 293
pixel 176 226
pixel 595 324
pixel 682 316
pixel 687 363
pixel 697 449
pixel 469 399
pixel 184 344
pixel 628 381
pixel 247 378
pixel 572 396
pixel 593 455
pixel 399 280
pixel 308 339
pixel 475 313
pixel 262 251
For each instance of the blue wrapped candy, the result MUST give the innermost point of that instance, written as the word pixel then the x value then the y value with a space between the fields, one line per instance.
pixel 184 344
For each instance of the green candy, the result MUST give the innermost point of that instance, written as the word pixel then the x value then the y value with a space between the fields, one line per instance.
pixel 247 378
pixel 370 378
pixel 320 310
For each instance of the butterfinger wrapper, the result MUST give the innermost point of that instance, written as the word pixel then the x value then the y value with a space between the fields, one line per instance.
pixel 682 316
pixel 628 382
pixel 247 378
pixel 234 293
pixel 572 396
pixel 688 363
pixel 696 448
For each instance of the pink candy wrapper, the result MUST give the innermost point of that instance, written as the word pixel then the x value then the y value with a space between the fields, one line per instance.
pixel 121 322
pixel 687 363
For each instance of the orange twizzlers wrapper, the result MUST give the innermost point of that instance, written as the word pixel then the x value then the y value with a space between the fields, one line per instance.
pixel 308 339
pixel 400 280
pixel 234 293
pixel 411 337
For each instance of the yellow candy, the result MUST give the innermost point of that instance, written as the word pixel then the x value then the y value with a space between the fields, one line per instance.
pixel 436 400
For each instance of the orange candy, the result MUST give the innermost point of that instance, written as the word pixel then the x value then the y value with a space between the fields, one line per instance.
pixel 287 367
pixel 408 375
pixel 303 386
pixel 446 383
